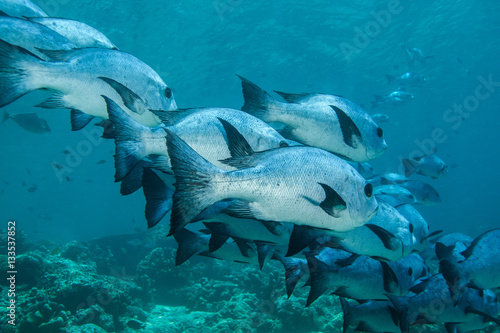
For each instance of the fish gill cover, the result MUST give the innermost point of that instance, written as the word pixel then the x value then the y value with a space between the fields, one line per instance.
pixel 279 172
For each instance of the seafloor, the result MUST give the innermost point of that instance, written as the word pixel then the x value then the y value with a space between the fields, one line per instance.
pixel 129 283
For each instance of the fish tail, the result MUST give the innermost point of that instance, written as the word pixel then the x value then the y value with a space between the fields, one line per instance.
pixel 294 270
pixel 188 244
pixel 378 100
pixel 158 197
pixel 194 190
pixel 256 99
pixel 5 116
pixel 128 133
pixel 453 275
pixel 410 167
pixel 346 309
pixel 14 77
pixel 390 78
pixel 400 304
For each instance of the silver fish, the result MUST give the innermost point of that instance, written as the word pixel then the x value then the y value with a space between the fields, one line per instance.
pixel 433 303
pixel 80 78
pixel 380 118
pixel 324 121
pixel 32 36
pixel 481 267
pixel 21 8
pixel 395 98
pixel 29 121
pixel 200 128
pixel 407 79
pixel 301 185
pixel 427 165
pixel 372 316
pixel 78 33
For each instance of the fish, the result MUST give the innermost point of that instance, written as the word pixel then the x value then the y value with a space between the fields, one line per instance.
pixel 364 169
pixel 200 128
pixel 387 179
pixel 78 33
pixel 420 227
pixel 380 118
pixel 400 194
pixel 481 267
pixel 451 246
pixel 329 122
pixel 387 236
pixel 372 316
pixel 191 243
pixel 353 276
pixel 431 303
pixel 407 79
pixel 395 98
pixel 424 193
pixel 270 186
pixel 427 165
pixel 94 73
pixel 29 121
pixel 32 36
pixel 21 9
pixel 416 55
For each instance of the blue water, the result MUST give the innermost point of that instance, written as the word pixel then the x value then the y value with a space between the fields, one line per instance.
pixel 295 46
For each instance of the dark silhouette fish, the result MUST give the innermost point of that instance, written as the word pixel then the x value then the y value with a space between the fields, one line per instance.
pixel 29 121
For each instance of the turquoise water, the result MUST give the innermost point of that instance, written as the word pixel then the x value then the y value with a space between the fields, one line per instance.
pixel 342 47
pixel 198 46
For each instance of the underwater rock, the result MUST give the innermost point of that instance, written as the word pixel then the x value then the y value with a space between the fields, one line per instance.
pixel 43 316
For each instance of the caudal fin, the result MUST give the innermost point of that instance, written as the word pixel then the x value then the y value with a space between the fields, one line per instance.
pixel 346 308
pixel 5 116
pixel 410 167
pixel 158 197
pixel 390 78
pixel 193 182
pixel 14 81
pixel 128 133
pixel 453 275
pixel 188 244
pixel 256 100
pixel 295 269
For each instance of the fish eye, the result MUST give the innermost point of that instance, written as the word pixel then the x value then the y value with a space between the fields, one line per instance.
pixel 380 132
pixel 368 190
pixel 168 92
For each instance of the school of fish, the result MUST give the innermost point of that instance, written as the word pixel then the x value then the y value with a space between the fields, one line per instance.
pixel 281 179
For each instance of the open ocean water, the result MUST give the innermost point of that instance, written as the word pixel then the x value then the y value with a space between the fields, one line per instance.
pixel 342 47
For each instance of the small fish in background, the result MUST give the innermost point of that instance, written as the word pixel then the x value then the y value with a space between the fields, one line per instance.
pixel 101 162
pixel 416 55
pixel 29 121
pixel 365 169
pixel 57 165
pixel 380 118
pixel 407 79
pixel 32 188
pixel 427 165
pixel 398 97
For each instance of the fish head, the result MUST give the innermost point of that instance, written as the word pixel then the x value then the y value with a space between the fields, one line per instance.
pixel 361 203
pixel 375 141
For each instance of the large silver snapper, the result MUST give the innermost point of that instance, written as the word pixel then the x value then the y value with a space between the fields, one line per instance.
pixel 481 267
pixel 21 8
pixel 80 78
pixel 301 185
pixel 200 128
pixel 79 33
pixel 32 36
pixel 324 121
